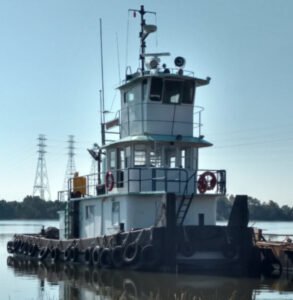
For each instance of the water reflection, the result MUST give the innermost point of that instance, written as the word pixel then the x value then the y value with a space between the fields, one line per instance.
pixel 76 283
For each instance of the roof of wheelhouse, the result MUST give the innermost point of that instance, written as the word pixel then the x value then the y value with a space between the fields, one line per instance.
pixel 138 77
pixel 190 140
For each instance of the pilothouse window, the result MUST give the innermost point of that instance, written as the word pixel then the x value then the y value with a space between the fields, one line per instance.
pixel 188 94
pixel 156 89
pixel 173 91
pixel 134 93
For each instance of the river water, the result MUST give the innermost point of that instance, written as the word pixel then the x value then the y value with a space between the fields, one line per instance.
pixel 24 280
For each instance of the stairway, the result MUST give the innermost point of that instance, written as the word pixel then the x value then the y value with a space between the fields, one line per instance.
pixel 183 209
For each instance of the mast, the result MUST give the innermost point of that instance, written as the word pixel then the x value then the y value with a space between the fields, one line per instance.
pixel 145 30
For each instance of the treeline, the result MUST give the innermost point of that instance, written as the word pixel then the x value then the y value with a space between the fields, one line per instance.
pixel 35 208
pixel 265 211
pixel 30 208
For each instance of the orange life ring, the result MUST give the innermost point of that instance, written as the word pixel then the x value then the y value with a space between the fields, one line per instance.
pixel 109 181
pixel 206 182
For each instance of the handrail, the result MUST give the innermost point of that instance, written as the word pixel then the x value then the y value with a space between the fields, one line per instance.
pixel 143 179
pixel 195 123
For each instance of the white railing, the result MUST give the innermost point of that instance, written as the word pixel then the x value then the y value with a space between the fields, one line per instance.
pixel 145 180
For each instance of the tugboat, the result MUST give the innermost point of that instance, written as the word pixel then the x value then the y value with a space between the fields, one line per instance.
pixel 149 207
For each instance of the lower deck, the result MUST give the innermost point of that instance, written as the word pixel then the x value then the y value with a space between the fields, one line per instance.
pixel 216 249
pixel 110 214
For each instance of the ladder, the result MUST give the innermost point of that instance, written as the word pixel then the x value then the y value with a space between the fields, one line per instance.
pixel 183 209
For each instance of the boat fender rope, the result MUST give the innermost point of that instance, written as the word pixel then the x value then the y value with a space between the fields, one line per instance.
pixel 131 253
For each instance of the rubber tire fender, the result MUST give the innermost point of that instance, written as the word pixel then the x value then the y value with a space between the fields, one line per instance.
pixel 105 258
pixel 55 254
pixel 150 256
pixel 88 255
pixel 10 247
pixel 96 256
pixel 67 253
pixel 73 254
pixel 44 252
pixel 117 256
pixel 33 249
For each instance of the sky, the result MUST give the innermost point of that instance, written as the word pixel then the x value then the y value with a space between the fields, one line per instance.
pixel 50 80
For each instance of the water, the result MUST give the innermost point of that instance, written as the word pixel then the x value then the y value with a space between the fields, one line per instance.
pixel 24 280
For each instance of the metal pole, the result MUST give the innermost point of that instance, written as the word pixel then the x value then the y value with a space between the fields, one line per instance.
pixel 102 94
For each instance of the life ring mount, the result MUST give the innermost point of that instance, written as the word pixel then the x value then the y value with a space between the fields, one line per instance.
pixel 206 182
pixel 109 181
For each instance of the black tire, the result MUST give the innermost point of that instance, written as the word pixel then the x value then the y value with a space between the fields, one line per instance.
pixel 33 249
pixel 55 254
pixel 20 248
pixel 96 256
pixel 74 254
pixel 25 248
pixel 44 252
pixel 186 249
pixel 10 247
pixel 16 245
pixel 106 258
pixel 67 253
pixel 88 255
pixel 117 256
pixel 149 256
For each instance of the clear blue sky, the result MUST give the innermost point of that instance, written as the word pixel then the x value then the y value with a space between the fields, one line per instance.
pixel 50 81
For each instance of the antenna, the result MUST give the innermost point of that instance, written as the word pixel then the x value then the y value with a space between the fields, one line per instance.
pixel 118 58
pixel 102 93
pixel 41 184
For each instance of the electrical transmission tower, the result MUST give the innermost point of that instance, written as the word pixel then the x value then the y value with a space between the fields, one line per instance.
pixel 70 169
pixel 41 185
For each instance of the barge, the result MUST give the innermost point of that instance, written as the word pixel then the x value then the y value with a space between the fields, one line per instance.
pixel 149 207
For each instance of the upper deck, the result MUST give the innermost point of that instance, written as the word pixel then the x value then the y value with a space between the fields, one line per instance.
pixel 159 103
